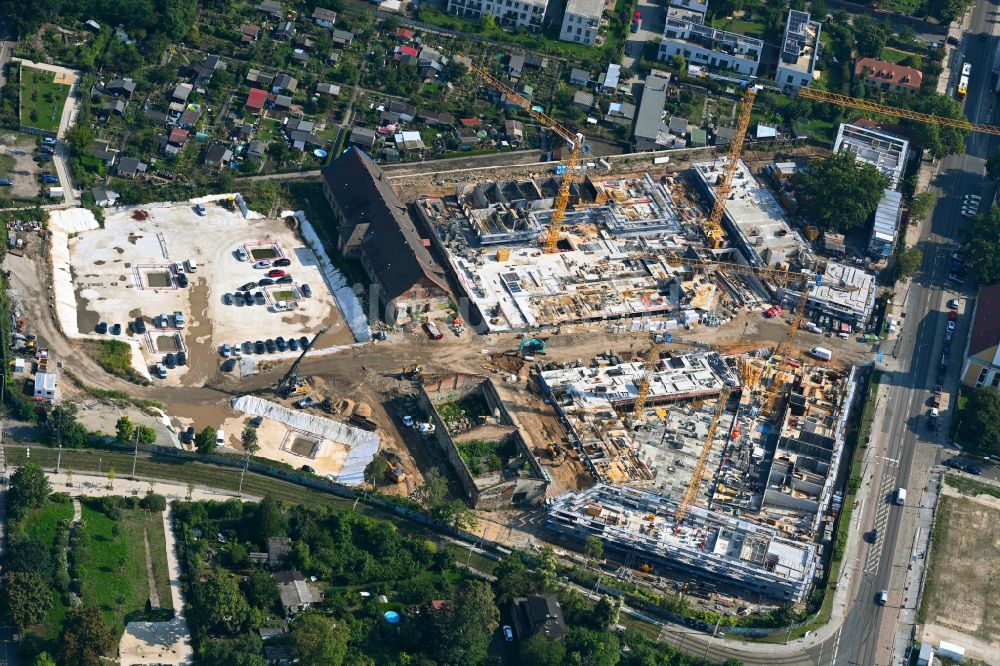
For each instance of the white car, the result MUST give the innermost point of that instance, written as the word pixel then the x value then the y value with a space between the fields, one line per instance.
pixel 974 198
pixel 969 212
pixel 408 421
pixel 220 437
pixel 262 264
pixel 951 326
pixel 426 427
pixel 508 633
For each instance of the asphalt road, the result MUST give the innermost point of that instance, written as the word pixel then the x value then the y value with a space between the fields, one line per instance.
pixel 866 637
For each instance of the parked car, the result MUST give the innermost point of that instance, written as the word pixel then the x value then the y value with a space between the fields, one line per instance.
pixel 182 281
pixel 293 344
pixel 508 633
pixel 238 298
pixel 139 325
pixel 954 463
pixel 225 350
pixel 950 326
pixel 247 347
pixel 200 209
pixel 227 298
pixel 116 329
pixel 228 365
pixel 973 469
pixel 263 282
pixel 48 141
pixel 304 341
pixel 307 468
pixel 306 291
pixel 284 279
pixel 275 273
pixel 259 298
pixel 953 315
pixel 262 264
pixel 248 286
pixel 305 402
pixel 182 358
pixel 102 327
pixel 187 436
pixel 171 361
pixel 271 347
pixel 953 304
pixel 282 345
pixel 281 262
pixel 259 347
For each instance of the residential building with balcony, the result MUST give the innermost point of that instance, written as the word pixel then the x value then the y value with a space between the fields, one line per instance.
pixel 685 34
pixel 799 51
pixel 581 20
pixel 508 13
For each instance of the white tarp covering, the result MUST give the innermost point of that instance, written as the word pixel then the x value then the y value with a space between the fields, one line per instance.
pixel 361 444
pixel 346 299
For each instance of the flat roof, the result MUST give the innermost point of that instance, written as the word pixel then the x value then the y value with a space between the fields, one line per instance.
pixel 799 47
pixel 590 8
pixel 756 213
pixel 649 118
pixel 886 152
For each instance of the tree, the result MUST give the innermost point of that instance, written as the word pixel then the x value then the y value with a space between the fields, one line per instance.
pixel 595 648
pixel 223 607
pixel 376 470
pixel 26 598
pixel 63 427
pixel 547 567
pixel 124 430
pixel 80 138
pixel 315 639
pixel 249 439
pixel 540 650
pixel 435 489
pixel 979 430
pixel 920 205
pixel 29 488
pixel 279 151
pixel 983 245
pixel 466 629
pixel 593 547
pixel 909 262
pixel 86 638
pixel 153 502
pixel 147 435
pixel 112 475
pixel 244 650
pixel 945 11
pixel 488 23
pixel 606 611
pixel 270 520
pixel 29 555
pixel 204 441
pixel 993 165
pixel 938 139
pixel 839 193
pixel 870 35
pixel 512 579
pixel 679 64
pixel 44 659
pixel 261 591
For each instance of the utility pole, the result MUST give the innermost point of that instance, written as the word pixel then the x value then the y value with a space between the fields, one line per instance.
pixel 59 458
pixel 246 463
pixel 135 456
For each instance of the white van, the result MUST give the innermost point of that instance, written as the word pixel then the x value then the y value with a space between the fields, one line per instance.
pixel 900 496
pixel 220 437
pixel 821 353
pixel 191 265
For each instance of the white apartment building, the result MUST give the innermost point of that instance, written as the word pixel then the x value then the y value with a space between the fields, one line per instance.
pixel 799 51
pixel 509 13
pixel 581 20
pixel 685 34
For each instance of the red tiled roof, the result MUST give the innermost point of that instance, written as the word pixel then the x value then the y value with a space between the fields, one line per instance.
pixel 178 135
pixel 469 122
pixel 404 33
pixel 409 50
pixel 985 332
pixel 890 72
pixel 256 98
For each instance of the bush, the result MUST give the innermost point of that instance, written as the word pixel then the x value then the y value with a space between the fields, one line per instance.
pixel 153 502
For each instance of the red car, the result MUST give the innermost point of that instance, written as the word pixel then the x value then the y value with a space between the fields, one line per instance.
pixel 770 313
pixel 953 315
pixel 637 16
pixel 275 273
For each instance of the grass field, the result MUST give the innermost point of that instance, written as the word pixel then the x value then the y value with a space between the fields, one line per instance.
pixel 115 566
pixel 115 357
pixel 41 100
pixel 892 55
pixel 962 592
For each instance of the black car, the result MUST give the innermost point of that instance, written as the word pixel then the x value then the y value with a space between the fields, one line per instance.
pixel 227 299
pixel 953 463
pixel 293 344
pixel 257 421
pixel 171 361
pixel 239 299
pixel 116 329
pixel 182 358
pixel 974 469
pixel 228 365
pixel 140 325
pixel 307 468
pixel 271 347
pixel 187 436
pixel 259 297
pixel 278 263
pixel 285 279
pixel 263 282
pixel 940 377
pixel 259 347
pixel 306 291
pixel 247 298
pixel 282 345
pixel 248 286
pixel 182 280
pixel 101 327
pixel 247 347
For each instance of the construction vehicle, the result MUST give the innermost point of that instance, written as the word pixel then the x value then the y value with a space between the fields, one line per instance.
pixel 290 383
pixel 413 372
pixel 556 452
pixel 574 140
pixel 531 346
pixel 394 474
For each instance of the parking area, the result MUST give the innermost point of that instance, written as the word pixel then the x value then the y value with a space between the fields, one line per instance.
pixel 198 280
pixel 21 162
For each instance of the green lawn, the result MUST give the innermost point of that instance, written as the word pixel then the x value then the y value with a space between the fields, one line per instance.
pixel 41 524
pixel 894 55
pixel 748 28
pixel 115 566
pixel 42 100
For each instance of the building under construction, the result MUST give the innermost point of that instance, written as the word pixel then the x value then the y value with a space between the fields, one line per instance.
pixel 640 526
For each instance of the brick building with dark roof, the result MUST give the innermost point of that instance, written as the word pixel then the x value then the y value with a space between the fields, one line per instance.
pixel 538 614
pixel 375 227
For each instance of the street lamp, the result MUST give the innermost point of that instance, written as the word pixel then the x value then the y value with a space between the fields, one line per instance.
pixel 246 463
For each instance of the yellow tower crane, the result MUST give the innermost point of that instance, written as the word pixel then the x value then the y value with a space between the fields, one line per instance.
pixel 574 141
pixel 649 367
